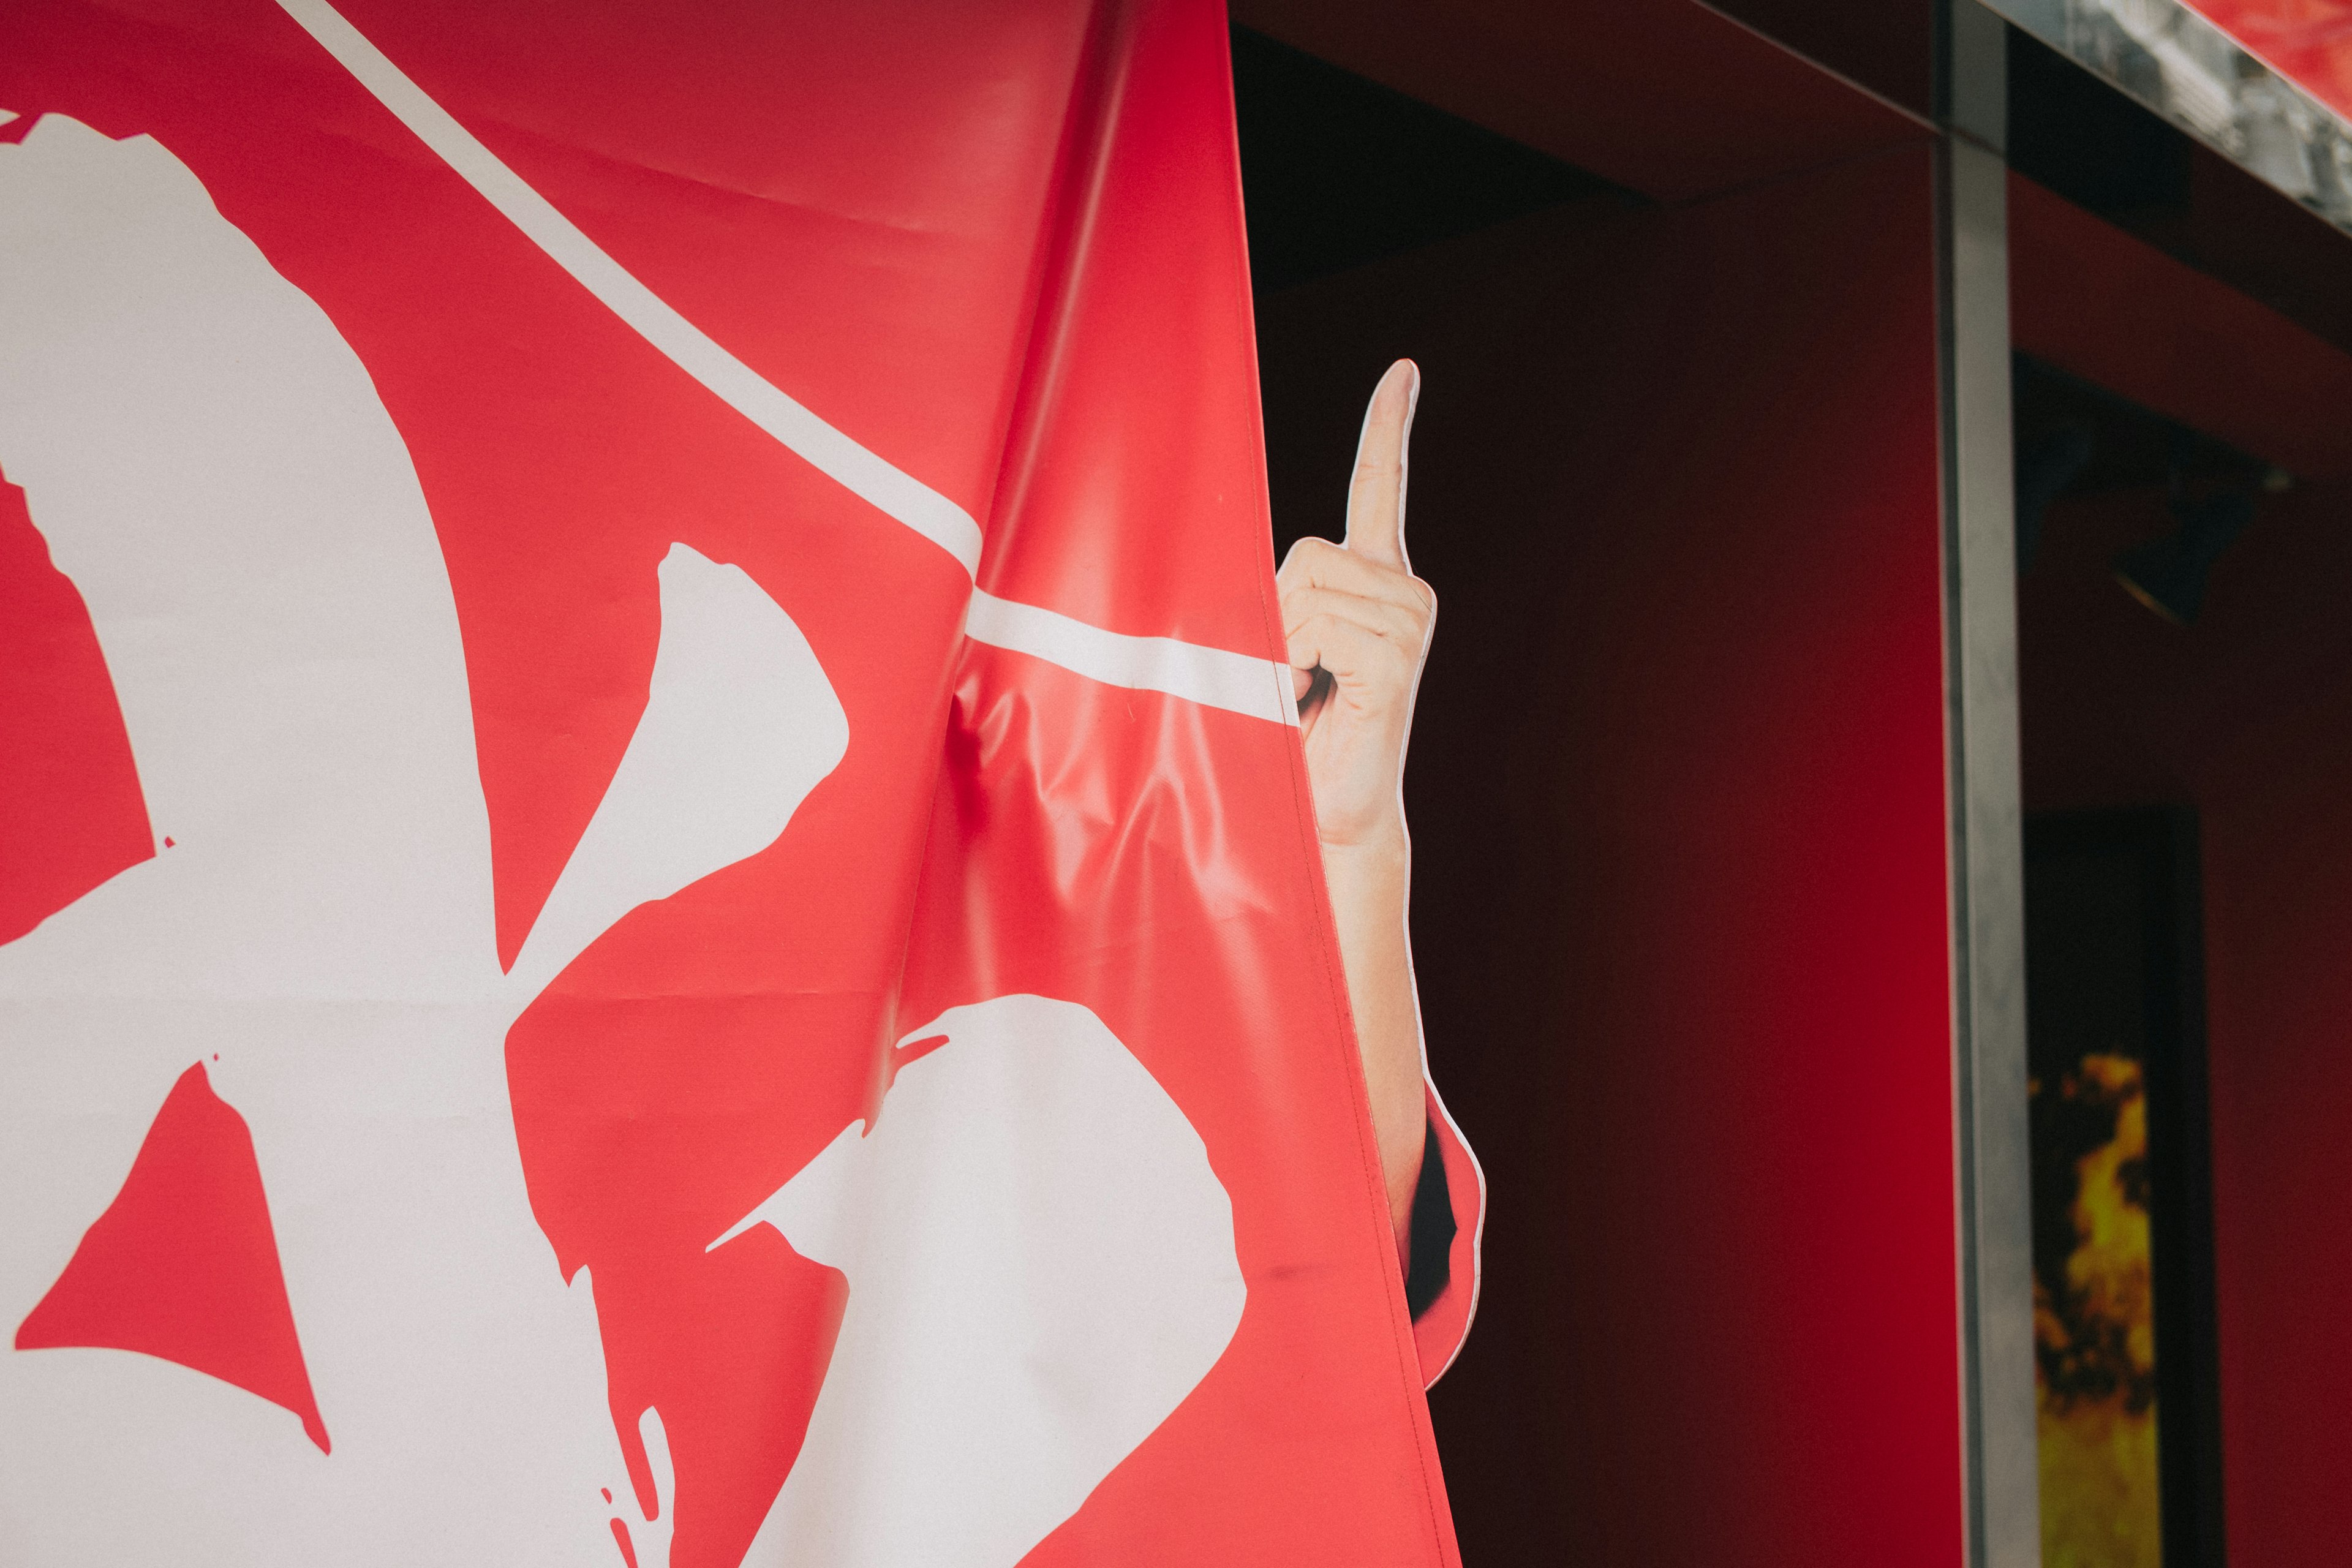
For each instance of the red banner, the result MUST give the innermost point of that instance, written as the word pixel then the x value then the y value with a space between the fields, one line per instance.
pixel 2309 42
pixel 657 895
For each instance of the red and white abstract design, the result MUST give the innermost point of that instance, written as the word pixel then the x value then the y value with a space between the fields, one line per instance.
pixel 655 896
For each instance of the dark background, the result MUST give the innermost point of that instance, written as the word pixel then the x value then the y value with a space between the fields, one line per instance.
pixel 1676 791
pixel 1677 780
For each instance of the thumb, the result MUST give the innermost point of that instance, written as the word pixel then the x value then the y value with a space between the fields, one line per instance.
pixel 1376 493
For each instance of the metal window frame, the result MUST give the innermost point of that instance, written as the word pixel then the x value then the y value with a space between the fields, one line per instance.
pixel 2000 1480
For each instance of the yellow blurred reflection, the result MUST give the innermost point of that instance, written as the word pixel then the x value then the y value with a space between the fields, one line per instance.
pixel 2095 1370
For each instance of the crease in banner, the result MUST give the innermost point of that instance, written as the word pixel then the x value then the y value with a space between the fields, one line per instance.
pixel 1215 678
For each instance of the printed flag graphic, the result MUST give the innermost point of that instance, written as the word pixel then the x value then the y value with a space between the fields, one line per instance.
pixel 657 897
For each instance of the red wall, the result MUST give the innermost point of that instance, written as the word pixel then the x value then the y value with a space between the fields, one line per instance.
pixel 2248 715
pixel 1678 793
pixel 1674 99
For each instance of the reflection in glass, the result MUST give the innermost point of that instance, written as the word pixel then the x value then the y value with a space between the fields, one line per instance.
pixel 2195 75
pixel 2124 1372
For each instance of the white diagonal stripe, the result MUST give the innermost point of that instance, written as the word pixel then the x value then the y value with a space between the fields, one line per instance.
pixel 737 384
pixel 1236 682
pixel 1216 676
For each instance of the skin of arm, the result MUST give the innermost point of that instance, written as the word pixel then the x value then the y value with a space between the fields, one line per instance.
pixel 1359 624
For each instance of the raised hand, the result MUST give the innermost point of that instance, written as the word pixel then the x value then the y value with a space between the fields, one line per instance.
pixel 1358 623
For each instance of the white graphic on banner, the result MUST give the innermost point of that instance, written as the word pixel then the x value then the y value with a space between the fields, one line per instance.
pixel 739 725
pixel 1041 1267
pixel 1215 678
pixel 1041 1259
pixel 211 466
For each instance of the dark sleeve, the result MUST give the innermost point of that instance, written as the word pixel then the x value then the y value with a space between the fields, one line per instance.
pixel 1432 1229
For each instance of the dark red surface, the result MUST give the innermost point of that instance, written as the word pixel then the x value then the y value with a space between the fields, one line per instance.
pixel 2248 717
pixel 2116 311
pixel 183 1264
pixel 1667 97
pixel 1678 801
pixel 1886 46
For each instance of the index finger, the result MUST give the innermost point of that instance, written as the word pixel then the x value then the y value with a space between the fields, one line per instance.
pixel 1376 493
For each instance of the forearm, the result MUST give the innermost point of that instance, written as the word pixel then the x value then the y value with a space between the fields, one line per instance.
pixel 1356 624
pixel 1370 884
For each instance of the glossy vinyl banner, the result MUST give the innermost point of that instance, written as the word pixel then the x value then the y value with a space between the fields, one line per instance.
pixel 658 901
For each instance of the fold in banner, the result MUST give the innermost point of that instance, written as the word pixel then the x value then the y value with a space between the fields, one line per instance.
pixel 657 902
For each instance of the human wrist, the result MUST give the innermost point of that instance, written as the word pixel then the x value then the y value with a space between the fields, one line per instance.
pixel 1375 844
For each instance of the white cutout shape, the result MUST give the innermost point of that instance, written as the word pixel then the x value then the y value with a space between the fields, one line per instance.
pixel 740 724
pixel 1041 1267
pixel 210 464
